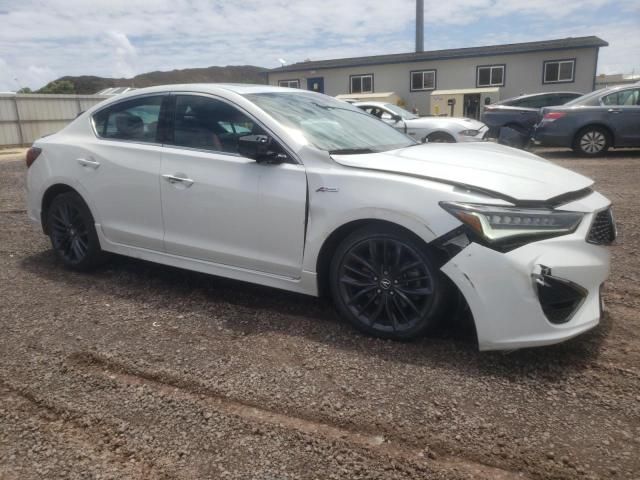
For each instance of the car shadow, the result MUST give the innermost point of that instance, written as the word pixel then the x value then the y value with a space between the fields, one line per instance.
pixel 566 154
pixel 451 347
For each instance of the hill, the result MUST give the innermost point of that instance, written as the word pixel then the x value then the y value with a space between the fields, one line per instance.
pixel 86 84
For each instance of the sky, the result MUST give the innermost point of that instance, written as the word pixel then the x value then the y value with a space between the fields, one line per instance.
pixel 43 40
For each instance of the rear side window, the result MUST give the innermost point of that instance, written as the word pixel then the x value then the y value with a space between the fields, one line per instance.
pixel 135 120
pixel 531 102
pixel 562 99
pixel 208 124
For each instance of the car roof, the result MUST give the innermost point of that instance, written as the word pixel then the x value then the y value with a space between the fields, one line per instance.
pixel 240 88
pixel 540 94
pixel 373 104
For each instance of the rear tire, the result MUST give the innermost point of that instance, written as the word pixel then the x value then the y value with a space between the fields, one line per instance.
pixel 385 283
pixel 592 142
pixel 440 137
pixel 72 232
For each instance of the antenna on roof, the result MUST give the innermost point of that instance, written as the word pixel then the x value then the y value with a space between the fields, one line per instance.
pixel 282 61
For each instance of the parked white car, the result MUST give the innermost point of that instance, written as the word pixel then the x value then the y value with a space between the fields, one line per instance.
pixel 299 191
pixel 427 129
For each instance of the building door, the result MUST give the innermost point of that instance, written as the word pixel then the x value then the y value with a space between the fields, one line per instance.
pixel 471 103
pixel 315 84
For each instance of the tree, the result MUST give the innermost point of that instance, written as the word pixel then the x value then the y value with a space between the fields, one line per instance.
pixel 25 90
pixel 58 86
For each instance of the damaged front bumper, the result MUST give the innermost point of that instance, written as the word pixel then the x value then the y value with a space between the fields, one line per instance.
pixel 541 293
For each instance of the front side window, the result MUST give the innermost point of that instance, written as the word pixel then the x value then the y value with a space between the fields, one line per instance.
pixel 208 124
pixel 361 83
pixel 329 124
pixel 490 76
pixel 135 120
pixel 423 80
pixel 559 71
pixel 289 83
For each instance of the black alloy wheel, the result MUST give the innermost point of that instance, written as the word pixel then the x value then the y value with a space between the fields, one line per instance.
pixel 72 232
pixel 385 284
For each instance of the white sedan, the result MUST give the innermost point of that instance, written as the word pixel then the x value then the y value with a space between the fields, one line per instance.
pixel 302 192
pixel 427 129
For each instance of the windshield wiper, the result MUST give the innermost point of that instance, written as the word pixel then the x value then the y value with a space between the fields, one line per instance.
pixel 351 151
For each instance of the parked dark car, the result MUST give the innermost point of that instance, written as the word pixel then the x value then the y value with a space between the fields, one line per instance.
pixel 522 113
pixel 593 123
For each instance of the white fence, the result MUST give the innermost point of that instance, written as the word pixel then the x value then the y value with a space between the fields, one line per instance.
pixel 27 117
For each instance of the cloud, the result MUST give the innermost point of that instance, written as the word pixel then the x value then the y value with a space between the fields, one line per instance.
pixel 123 38
pixel 124 54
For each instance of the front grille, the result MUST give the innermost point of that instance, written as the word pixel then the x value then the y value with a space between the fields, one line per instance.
pixel 603 228
pixel 559 298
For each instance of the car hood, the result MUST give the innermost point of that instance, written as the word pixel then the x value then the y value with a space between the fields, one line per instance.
pixel 512 174
pixel 445 122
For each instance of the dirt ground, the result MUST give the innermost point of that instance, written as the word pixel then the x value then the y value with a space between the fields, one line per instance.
pixel 145 371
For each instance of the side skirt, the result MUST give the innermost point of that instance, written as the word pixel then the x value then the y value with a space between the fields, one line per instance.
pixel 307 283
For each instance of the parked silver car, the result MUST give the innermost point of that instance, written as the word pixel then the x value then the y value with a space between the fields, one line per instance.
pixel 427 129
pixel 594 122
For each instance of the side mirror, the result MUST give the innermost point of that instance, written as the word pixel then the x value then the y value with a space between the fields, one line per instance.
pixel 396 118
pixel 260 148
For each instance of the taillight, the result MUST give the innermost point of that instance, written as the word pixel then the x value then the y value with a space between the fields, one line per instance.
pixel 32 154
pixel 551 116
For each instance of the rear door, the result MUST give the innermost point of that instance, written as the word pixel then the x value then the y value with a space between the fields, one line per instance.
pixel 623 116
pixel 120 169
pixel 221 207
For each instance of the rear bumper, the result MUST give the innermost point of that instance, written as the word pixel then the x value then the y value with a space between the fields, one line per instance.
pixel 504 297
pixel 547 137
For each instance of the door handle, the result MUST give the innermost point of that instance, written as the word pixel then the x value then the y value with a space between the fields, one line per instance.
pixel 88 163
pixel 172 179
pixel 615 110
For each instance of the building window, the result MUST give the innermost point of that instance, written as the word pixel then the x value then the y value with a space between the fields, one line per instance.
pixel 490 76
pixel 361 83
pixel 423 80
pixel 559 71
pixel 289 83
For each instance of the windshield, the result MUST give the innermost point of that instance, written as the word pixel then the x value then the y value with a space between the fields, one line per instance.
pixel 405 114
pixel 330 124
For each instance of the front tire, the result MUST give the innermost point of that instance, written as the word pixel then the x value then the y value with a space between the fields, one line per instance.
pixel 440 137
pixel 385 283
pixel 592 141
pixel 72 232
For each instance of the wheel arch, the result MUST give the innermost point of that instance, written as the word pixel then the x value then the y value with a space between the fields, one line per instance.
pixel 330 245
pixel 47 198
pixel 601 125
pixel 441 132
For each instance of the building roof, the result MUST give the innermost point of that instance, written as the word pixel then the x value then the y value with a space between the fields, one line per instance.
pixel 558 44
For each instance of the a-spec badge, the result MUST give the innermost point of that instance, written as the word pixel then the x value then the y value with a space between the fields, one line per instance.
pixel 328 189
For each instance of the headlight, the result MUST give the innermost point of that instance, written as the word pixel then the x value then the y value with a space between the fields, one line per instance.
pixel 495 223
pixel 469 133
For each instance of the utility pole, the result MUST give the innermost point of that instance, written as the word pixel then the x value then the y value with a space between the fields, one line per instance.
pixel 419 25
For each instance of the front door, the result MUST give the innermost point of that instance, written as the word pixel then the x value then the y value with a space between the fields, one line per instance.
pixel 472 105
pixel 120 169
pixel 315 84
pixel 221 207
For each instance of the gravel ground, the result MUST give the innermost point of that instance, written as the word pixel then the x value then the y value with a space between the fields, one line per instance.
pixel 145 371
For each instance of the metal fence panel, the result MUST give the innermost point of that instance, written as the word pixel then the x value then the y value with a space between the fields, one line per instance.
pixel 25 118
